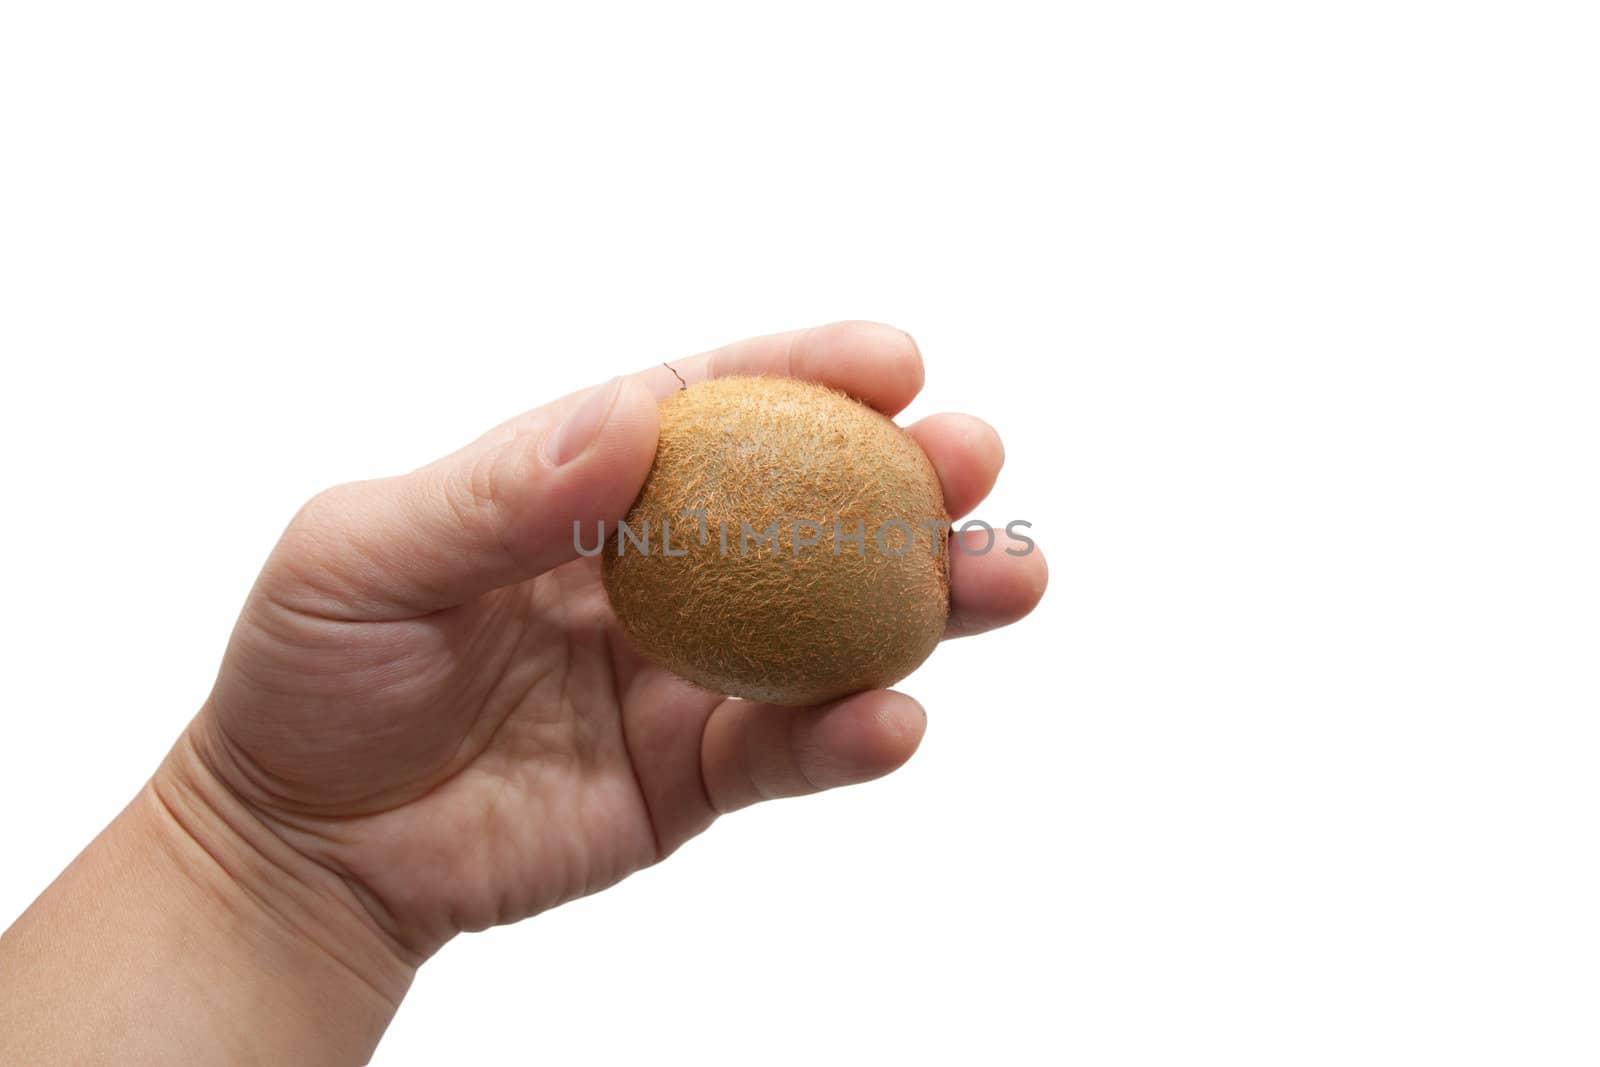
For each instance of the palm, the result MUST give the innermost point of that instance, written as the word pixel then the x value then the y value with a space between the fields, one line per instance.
pixel 527 756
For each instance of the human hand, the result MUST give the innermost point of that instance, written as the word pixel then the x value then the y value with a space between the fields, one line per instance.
pixel 428 721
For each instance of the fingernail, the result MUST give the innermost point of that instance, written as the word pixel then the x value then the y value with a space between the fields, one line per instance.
pixel 582 424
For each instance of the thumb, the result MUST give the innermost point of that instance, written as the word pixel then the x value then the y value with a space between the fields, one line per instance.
pixel 499 511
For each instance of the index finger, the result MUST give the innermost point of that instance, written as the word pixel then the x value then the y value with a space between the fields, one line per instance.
pixel 877 364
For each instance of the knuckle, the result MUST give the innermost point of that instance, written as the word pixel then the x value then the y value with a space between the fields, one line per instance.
pixel 481 503
pixel 321 511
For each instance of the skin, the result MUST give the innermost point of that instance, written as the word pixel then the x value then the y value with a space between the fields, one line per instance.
pixel 428 722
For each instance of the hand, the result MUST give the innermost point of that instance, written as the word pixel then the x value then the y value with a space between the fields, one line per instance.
pixel 428 721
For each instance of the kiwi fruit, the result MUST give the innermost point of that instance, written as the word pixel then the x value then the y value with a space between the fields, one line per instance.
pixel 789 544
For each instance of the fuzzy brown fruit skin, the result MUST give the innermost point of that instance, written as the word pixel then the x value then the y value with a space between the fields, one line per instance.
pixel 763 621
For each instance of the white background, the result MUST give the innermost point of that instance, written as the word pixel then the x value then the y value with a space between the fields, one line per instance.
pixel 1287 314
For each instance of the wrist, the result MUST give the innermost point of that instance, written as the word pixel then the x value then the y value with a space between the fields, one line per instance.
pixel 302 931
pixel 195 935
